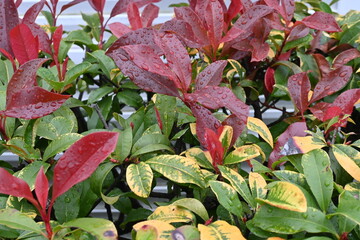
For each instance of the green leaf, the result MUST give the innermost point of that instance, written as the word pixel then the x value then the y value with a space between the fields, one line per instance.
pixel 146 233
pixel 6 71
pixel 60 144
pixel 292 66
pixel 97 180
pixel 99 93
pixel 30 131
pixel 79 36
pixel 73 73
pixel 29 173
pixel 149 139
pixel 171 214
pixel 220 230
pixel 152 148
pixel 17 220
pixel 106 63
pixel 136 215
pixel 297 43
pixel 193 205
pixel 186 232
pixel 130 98
pixel 166 106
pixel 20 148
pixel 124 144
pixel 62 125
pixel 67 206
pixel 293 177
pixel 238 183
pixel 349 207
pixel 282 221
pixel 139 177
pixel 227 196
pixel 178 169
pixel 257 185
pixel 98 227
pixel 162 228
pixel 318 174
pixel 351 35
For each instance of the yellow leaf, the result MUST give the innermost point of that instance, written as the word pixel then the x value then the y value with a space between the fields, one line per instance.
pixel 348 163
pixel 276 238
pixel 243 153
pixel 139 178
pixel 163 229
pixel 257 185
pixel 172 213
pixel 307 144
pixel 226 137
pixel 219 230
pixel 193 129
pixel 258 126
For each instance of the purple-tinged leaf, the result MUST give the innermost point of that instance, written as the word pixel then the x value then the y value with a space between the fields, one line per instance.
pixel 274 21
pixel 247 4
pixel 289 8
pixel 146 80
pixel 57 39
pixel 119 29
pixel 238 125
pixel 234 9
pixel 134 16
pixel 148 15
pixel 121 6
pixel 214 18
pixel 250 17
pixel 299 87
pixel 211 75
pixel 8 56
pixel 322 21
pixel 298 31
pixel 33 12
pixel 24 45
pixel 332 82
pixel 177 57
pixel 42 188
pixel 97 5
pixel 14 186
pixel 81 159
pixel 33 102
pixel 260 50
pixel 9 19
pixel 323 64
pixel 17 3
pixel 269 79
pixel 296 129
pixel 70 4
pixel 346 100
pixel 24 77
pixel 325 111
pixel 345 57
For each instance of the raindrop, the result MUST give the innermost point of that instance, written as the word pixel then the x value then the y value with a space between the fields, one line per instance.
pixel 304 215
pixel 269 210
pixel 343 74
pixel 224 96
pixel 67 200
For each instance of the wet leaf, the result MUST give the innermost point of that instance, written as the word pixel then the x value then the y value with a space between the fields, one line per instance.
pixel 42 188
pixel 348 158
pixel 322 21
pixel 124 144
pixel 29 173
pixel 15 219
pixel 60 144
pixel 299 87
pixel 219 230
pixel 98 227
pixel 193 205
pixel 97 181
pixel 139 177
pixel 214 18
pixel 172 214
pixel 200 157
pixel 211 75
pixel 345 56
pixel 163 229
pixel 150 12
pixel 241 154
pixel 349 207
pixel 258 126
pixel 67 206
pixel 9 18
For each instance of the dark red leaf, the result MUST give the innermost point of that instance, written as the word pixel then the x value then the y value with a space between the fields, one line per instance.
pixel 345 56
pixel 42 188
pixel 211 75
pixel 251 16
pixel 238 124
pixel 97 5
pixel 234 9
pixel 134 16
pixel 298 31
pixel 119 29
pixel 148 15
pixel 14 186
pixel 247 4
pixel 9 19
pixel 33 102
pixel 214 18
pixel 322 21
pixel 57 39
pixel 32 13
pixel 17 3
pixel 121 6
pixel 332 82
pixel 70 4
pixel 177 57
pixel 295 129
pixel 325 111
pixel 8 56
pixel 323 64
pixel 158 118
pixel 347 100
pixel 24 45
pixel 214 146
pixel 269 79
pixel 284 56
pixel 24 77
pixel 289 8
pixel 299 87
pixel 260 50
pixel 81 159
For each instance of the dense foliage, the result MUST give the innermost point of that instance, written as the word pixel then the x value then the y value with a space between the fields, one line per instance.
pixel 198 87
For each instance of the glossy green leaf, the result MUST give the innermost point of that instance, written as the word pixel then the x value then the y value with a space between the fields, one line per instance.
pixel 60 144
pixel 130 98
pixel 257 185
pixel 220 230
pixel 6 71
pixel 193 205
pixel 79 36
pixel 172 214
pixel 238 183
pixel 67 206
pixel 293 177
pixel 348 158
pixel 139 177
pixel 135 215
pixel 166 106
pixel 349 206
pixel 318 174
pixel 99 93
pixel 178 169
pixel 98 227
pixel 124 144
pixel 62 125
pixel 29 172
pixel 97 181
pixel 20 148
pixel 152 148
pixel 149 139
pixel 227 196
pixel 295 68
pixel 106 63
pixel 297 43
pixel 15 219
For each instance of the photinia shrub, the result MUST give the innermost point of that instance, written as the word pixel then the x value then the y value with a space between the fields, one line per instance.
pixel 237 118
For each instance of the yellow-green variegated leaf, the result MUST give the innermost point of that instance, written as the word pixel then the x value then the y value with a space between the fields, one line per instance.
pixel 226 137
pixel 241 154
pixel 238 183
pixel 172 214
pixel 227 197
pixel 219 230
pixel 258 126
pixel 193 205
pixel 306 144
pixel 257 185
pixel 163 229
pixel 139 178
pixel 349 159
pixel 287 196
pixel 178 169
pixel 202 158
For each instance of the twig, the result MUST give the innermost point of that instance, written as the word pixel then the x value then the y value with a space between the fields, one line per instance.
pixel 98 111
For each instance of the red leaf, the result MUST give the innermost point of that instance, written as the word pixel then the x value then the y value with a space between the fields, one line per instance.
pixel 14 186
pixel 24 45
pixel 70 4
pixel 32 13
pixel 295 129
pixel 269 80
pixel 57 39
pixel 119 29
pixel 177 58
pixel 322 21
pixel 234 9
pixel 211 75
pixel 251 16
pixel 81 159
pixel 42 188
pixel 97 5
pixel 17 3
pixel 8 56
pixel 332 82
pixel 24 77
pixel 214 146
pixel 298 31
pixel 345 56
pixel 322 63
pixel 289 8
pixel 33 102
pixel 347 100
pixel 214 18
pixel 134 16
pixel 121 6
pixel 237 123
pixel 8 20
pixel 299 87
pixel 325 111
pixel 260 50
pixel 148 15
pixel 247 4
